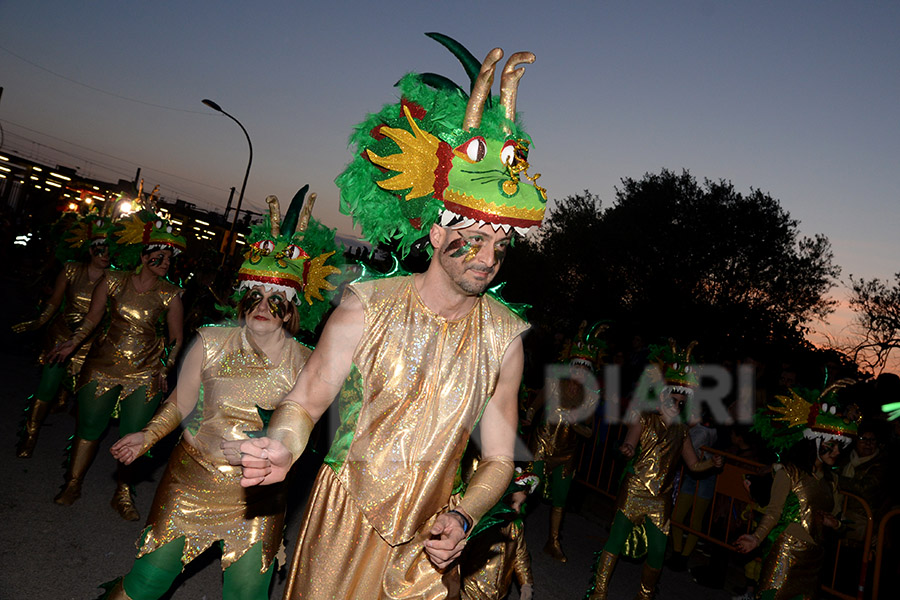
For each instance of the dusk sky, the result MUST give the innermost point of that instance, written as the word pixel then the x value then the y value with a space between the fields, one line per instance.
pixel 798 99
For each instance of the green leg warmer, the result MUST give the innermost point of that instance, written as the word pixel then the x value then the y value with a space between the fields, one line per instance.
pixel 618 533
pixel 135 411
pixel 52 376
pixel 656 545
pixel 560 486
pixel 243 581
pixel 152 575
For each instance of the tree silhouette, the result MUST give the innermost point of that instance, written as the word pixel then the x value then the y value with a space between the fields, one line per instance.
pixel 877 307
pixel 672 257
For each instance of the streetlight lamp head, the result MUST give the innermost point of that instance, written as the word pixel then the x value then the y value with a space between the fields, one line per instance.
pixel 212 105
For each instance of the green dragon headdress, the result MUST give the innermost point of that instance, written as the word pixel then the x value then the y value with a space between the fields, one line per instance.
pixel 443 154
pixel 587 349
pixel 80 233
pixel 145 230
pixel 676 366
pixel 810 414
pixel 290 256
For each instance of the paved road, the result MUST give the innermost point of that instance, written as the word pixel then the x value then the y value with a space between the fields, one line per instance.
pixel 64 552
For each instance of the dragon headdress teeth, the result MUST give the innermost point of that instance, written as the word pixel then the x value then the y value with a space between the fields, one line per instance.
pixel 81 233
pixel 809 414
pixel 676 366
pixel 443 154
pixel 587 349
pixel 290 256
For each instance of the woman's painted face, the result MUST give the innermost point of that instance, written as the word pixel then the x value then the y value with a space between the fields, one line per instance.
pixel 265 310
pixel 829 452
pixel 672 404
pixel 100 256
pixel 157 261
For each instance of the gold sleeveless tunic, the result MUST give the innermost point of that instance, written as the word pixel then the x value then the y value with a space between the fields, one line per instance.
pixel 794 563
pixel 200 496
pixel 79 288
pixel 130 352
pixel 419 385
pixel 647 492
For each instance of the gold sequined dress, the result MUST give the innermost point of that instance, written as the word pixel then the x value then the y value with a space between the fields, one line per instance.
pixel 488 568
pixel 79 288
pixel 130 352
pixel 555 440
pixel 794 563
pixel 647 491
pixel 200 496
pixel 418 386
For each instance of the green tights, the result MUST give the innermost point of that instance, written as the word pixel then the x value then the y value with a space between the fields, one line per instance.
pixel 94 413
pixel 656 539
pixel 52 376
pixel 152 575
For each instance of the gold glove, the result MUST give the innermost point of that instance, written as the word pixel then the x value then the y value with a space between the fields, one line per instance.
pixel 46 315
pixel 291 425
pixel 164 422
pixel 703 465
pixel 84 330
pixel 487 486
pixel 172 356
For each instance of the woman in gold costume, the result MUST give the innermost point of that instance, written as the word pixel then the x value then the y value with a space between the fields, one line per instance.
pixel 802 497
pixel 124 372
pixel 656 441
pixel 71 291
pixel 239 372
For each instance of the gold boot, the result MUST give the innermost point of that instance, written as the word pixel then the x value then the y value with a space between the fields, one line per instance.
pixel 36 416
pixel 605 565
pixel 553 547
pixel 649 577
pixel 83 453
pixel 122 501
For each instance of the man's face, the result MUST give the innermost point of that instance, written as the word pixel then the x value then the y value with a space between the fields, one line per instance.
pixel 472 256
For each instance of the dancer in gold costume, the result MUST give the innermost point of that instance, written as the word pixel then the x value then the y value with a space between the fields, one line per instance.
pixel 86 235
pixel 124 372
pixel 656 441
pixel 239 372
pixel 806 426
pixel 566 418
pixel 418 360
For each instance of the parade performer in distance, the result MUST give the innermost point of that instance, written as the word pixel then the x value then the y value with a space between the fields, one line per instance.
pixel 241 373
pixel 84 251
pixel 124 372
pixel 809 432
pixel 567 416
pixel 417 360
pixel 656 440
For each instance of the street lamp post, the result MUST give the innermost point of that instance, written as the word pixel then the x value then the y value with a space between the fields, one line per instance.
pixel 231 235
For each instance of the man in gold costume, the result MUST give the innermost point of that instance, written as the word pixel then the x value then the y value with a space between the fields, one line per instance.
pixel 417 360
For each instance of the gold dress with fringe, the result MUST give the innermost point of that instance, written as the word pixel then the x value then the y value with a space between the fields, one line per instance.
pixel 418 386
pixel 79 288
pixel 200 495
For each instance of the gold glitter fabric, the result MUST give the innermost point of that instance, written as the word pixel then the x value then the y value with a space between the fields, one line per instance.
pixel 555 440
pixel 129 352
pixel 490 561
pixel 814 495
pixel 647 492
pixel 792 569
pixel 425 381
pixel 339 555
pixel 200 496
pixel 79 288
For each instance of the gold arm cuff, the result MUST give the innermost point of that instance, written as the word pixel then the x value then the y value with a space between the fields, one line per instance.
pixel 84 330
pixel 46 314
pixel 487 486
pixel 164 422
pixel 291 425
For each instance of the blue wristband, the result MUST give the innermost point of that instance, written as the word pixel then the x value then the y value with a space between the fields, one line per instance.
pixel 465 521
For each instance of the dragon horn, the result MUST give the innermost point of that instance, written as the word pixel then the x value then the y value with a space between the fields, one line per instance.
pixel 481 89
pixel 509 81
pixel 690 348
pixel 306 213
pixel 289 225
pixel 274 215
pixel 837 385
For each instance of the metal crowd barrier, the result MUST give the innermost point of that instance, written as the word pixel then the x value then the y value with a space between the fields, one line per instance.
pixel 879 553
pixel 600 468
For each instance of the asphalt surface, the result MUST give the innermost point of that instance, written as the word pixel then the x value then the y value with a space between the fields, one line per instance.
pixel 65 552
